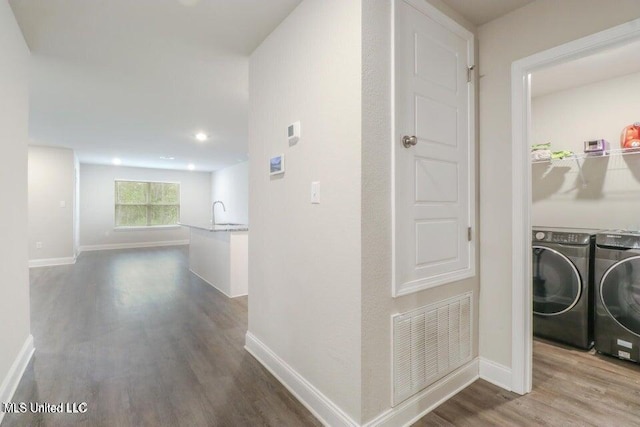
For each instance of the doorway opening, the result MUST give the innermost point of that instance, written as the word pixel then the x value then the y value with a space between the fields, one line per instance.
pixel 523 86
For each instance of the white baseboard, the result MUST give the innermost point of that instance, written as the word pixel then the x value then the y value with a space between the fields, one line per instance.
pixel 11 381
pixel 217 288
pixel 320 405
pixel 136 245
pixel 50 262
pixel 329 414
pixel 495 373
pixel 427 400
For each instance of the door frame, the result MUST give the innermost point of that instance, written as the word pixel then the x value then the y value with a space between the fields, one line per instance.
pixel 521 307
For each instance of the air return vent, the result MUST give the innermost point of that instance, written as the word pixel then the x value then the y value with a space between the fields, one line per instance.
pixel 429 343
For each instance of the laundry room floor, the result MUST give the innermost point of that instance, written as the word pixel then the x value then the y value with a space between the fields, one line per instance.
pixel 570 387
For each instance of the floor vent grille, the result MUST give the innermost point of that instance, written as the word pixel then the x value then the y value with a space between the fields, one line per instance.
pixel 429 343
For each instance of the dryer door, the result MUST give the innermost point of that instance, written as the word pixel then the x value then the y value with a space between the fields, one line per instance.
pixel 620 293
pixel 557 285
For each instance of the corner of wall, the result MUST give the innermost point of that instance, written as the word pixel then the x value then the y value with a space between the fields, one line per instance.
pixel 10 383
pixel 14 286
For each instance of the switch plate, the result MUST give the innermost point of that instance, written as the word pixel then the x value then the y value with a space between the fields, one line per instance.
pixel 63 204
pixel 315 192
pixel 38 245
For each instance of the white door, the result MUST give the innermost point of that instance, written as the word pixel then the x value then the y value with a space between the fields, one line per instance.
pixel 434 167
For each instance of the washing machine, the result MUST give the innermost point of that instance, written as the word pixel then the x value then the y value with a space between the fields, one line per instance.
pixel 562 285
pixel 617 282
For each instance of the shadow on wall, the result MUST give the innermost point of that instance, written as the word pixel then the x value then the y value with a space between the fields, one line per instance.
pixel 633 163
pixel 594 171
pixel 547 180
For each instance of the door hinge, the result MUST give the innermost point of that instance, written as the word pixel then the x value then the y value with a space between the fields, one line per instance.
pixel 469 233
pixel 469 70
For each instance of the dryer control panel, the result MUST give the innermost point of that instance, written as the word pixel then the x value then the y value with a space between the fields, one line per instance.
pixel 625 239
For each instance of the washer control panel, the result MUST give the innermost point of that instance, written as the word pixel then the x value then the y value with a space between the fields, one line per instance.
pixel 563 237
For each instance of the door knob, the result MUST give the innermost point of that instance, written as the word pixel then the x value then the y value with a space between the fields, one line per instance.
pixel 409 141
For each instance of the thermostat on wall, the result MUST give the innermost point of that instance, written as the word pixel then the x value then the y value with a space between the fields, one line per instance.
pixel 293 133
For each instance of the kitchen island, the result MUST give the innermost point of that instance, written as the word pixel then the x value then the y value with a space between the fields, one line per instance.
pixel 219 256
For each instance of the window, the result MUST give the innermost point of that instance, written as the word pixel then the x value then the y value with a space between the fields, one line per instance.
pixel 147 204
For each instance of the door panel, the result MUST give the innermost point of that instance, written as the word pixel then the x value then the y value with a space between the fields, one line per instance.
pixel 436 122
pixel 429 52
pixel 434 243
pixel 434 198
pixel 436 180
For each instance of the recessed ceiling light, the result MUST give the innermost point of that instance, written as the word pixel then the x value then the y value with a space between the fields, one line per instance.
pixel 191 166
pixel 167 158
pixel 201 136
pixel 117 161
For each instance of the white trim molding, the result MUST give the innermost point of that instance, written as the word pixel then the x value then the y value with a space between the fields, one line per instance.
pixel 495 373
pixel 416 407
pixel 11 381
pixel 521 303
pixel 135 245
pixel 327 412
pixel 50 262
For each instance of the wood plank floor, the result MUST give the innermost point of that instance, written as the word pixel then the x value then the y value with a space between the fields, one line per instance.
pixel 570 388
pixel 145 343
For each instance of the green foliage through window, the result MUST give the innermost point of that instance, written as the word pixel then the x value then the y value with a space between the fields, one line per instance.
pixel 145 204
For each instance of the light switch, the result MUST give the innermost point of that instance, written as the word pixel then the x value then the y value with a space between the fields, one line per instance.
pixel 38 245
pixel 315 192
pixel 63 204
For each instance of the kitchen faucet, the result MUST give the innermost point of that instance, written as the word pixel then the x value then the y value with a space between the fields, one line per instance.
pixel 213 211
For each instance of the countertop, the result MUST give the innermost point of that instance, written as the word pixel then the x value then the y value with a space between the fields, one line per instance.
pixel 217 227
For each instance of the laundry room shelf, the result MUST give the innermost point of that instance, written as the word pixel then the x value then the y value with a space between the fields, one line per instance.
pixel 618 152
pixel 612 161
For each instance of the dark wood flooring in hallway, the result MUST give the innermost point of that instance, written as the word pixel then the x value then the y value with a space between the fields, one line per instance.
pixel 145 343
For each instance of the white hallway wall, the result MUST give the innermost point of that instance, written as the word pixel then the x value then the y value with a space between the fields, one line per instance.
pixel 51 181
pixel 14 117
pixel 231 186
pixel 609 196
pixel 304 259
pixel 536 27
pixel 97 211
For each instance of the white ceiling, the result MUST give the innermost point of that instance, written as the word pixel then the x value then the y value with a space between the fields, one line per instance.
pixel 480 12
pixel 604 65
pixel 137 79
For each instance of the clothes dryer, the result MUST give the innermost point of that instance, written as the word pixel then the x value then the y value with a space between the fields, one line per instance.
pixel 617 283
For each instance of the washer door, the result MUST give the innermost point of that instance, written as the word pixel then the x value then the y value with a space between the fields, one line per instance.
pixel 620 293
pixel 557 285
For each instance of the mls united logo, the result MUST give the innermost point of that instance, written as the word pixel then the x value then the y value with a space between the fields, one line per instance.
pixel 37 407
